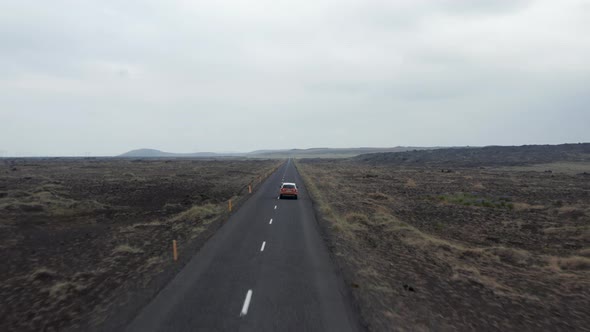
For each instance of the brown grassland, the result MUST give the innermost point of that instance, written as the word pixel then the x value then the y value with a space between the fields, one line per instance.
pixel 77 234
pixel 460 247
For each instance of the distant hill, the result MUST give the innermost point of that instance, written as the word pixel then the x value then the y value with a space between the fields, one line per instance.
pixel 484 156
pixel 328 152
pixel 287 153
pixel 152 153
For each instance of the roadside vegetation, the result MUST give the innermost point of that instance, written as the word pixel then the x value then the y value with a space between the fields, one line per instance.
pixel 78 235
pixel 458 248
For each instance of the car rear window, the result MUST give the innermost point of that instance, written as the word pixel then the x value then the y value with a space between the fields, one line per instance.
pixel 289 186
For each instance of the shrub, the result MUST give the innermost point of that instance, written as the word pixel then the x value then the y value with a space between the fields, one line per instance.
pixel 575 263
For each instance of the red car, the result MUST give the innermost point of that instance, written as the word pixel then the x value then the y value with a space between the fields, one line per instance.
pixel 288 189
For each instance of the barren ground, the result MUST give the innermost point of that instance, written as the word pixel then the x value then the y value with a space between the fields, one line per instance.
pixel 459 247
pixel 77 233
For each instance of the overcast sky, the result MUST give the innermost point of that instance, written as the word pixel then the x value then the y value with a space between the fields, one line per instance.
pixel 104 77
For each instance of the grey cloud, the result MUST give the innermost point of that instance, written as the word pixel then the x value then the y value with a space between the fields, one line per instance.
pixel 109 76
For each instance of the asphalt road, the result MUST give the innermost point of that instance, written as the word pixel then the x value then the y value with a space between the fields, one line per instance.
pixel 255 274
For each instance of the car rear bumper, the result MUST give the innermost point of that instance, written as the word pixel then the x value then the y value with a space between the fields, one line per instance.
pixel 288 195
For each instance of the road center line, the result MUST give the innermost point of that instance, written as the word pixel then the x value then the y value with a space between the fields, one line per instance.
pixel 275 207
pixel 263 245
pixel 270 222
pixel 246 303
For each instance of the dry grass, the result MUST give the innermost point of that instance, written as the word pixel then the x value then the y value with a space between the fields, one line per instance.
pixel 51 203
pixel 442 247
pixel 457 256
pixel 566 264
pixel 513 256
pixel 575 212
pixel 61 290
pixel 62 214
pixel 527 207
pixel 155 260
pixel 381 217
pixel 42 274
pixel 567 209
pixel 198 213
pixel 127 249
pixel 451 252
pixel 570 168
pixel 197 216
pixel 142 225
pixel 584 252
pixel 377 196
pixel 574 263
pixel 478 186
pixel 339 224
pixel 411 183
pixel 565 230
pixel 196 231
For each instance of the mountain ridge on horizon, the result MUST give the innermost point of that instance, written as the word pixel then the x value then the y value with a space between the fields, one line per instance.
pixel 316 152
pixel 154 153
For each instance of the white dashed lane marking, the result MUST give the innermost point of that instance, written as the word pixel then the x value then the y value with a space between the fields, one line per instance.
pixel 263 245
pixel 270 222
pixel 246 303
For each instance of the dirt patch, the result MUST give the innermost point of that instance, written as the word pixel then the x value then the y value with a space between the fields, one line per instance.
pixel 77 233
pixel 465 248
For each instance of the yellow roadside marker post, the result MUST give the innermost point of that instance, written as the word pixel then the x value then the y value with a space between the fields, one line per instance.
pixel 229 205
pixel 174 250
pixel 249 188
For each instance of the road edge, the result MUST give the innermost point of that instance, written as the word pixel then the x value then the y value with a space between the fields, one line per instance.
pixel 132 298
pixel 329 239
